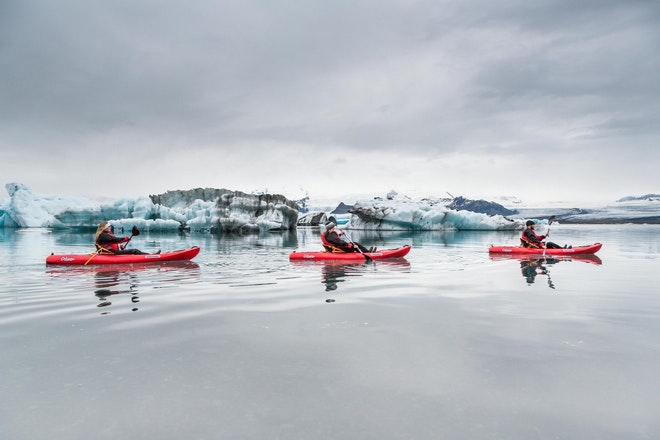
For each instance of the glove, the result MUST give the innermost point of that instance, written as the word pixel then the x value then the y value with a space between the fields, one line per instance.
pixel 125 239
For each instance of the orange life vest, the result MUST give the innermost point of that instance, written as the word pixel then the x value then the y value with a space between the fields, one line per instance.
pixel 329 246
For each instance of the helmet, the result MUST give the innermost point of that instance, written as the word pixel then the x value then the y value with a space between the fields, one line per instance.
pixel 529 223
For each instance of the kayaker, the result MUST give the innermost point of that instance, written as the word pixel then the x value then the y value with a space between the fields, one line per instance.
pixel 334 239
pixel 530 239
pixel 105 239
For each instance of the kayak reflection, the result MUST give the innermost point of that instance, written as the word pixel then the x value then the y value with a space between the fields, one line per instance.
pixel 113 280
pixel 124 279
pixel 529 269
pixel 334 272
pixel 531 266
pixel 161 266
pixel 108 283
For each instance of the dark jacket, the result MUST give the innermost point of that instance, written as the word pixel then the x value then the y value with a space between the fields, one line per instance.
pixel 530 237
pixel 110 241
pixel 333 238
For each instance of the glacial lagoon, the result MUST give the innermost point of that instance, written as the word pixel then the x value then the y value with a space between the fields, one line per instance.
pixel 241 343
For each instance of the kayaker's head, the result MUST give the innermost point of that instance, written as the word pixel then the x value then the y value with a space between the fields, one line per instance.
pixel 530 223
pixel 103 227
pixel 329 226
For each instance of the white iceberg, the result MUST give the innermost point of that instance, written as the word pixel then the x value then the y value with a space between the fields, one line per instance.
pixel 210 210
pixel 220 210
pixel 402 213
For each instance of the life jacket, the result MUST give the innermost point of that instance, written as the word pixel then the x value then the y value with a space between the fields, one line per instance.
pixel 107 247
pixel 103 250
pixel 329 247
pixel 525 243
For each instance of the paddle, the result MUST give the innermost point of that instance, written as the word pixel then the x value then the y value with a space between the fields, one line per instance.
pixel 547 234
pixel 546 272
pixel 135 231
pixel 550 283
pixel 367 257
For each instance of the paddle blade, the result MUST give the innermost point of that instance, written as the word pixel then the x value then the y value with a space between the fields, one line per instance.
pixel 135 230
pixel 551 219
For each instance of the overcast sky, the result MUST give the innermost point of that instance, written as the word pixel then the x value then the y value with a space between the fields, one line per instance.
pixel 544 100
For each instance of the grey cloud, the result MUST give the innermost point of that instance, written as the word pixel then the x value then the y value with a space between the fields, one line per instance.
pixel 426 77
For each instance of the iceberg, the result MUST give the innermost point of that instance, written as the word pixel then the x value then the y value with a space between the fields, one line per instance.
pixel 341 215
pixel 403 213
pixel 26 209
pixel 396 213
pixel 224 211
pixel 206 210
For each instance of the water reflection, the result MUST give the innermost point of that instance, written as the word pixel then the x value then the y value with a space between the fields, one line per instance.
pixel 532 266
pixel 334 273
pixel 106 280
pixel 162 267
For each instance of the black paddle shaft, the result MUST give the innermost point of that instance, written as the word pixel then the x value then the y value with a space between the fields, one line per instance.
pixel 366 257
pixel 134 232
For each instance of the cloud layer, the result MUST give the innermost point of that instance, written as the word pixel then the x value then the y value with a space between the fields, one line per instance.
pixel 548 99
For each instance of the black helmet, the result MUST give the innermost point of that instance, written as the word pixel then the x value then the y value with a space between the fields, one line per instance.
pixel 529 223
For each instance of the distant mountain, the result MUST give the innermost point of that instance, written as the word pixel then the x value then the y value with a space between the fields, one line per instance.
pixel 647 198
pixel 481 206
pixel 342 208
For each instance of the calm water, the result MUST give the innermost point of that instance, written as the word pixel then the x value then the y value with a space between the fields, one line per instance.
pixel 243 344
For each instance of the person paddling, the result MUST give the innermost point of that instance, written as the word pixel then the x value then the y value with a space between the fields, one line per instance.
pixel 531 240
pixel 107 242
pixel 331 237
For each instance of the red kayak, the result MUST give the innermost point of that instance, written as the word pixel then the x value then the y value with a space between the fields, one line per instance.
pixel 87 259
pixel 351 256
pixel 575 250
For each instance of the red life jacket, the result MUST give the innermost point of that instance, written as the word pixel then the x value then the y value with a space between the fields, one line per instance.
pixel 108 246
pixel 525 242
